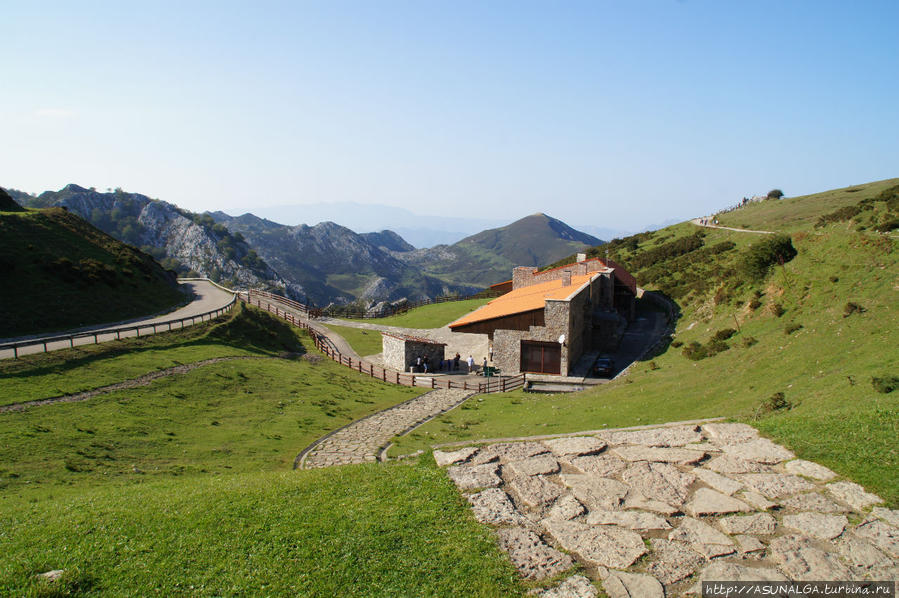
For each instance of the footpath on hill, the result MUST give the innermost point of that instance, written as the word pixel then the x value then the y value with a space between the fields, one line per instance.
pixel 207 297
pixel 701 222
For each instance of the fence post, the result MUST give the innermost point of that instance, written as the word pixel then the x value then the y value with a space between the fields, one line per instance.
pixel 71 342
pixel 95 338
pixel 413 380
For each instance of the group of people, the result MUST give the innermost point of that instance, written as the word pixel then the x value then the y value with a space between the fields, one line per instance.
pixel 708 221
pixel 423 364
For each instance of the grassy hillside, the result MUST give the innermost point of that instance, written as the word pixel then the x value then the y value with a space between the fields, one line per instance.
pixel 184 487
pixel 54 266
pixel 806 345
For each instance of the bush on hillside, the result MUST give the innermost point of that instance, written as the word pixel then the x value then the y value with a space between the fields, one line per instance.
pixel 775 194
pixel 792 327
pixel 724 334
pixel 778 310
pixel 885 385
pixel 694 351
pixel 852 308
pixel 840 215
pixel 776 402
pixel 748 341
pixel 758 260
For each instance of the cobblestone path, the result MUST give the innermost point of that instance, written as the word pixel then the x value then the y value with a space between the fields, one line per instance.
pixel 652 512
pixel 360 441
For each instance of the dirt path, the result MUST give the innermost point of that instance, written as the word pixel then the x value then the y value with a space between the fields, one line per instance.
pixel 134 382
pixel 698 222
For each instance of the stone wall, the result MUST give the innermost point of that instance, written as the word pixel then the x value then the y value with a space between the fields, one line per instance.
pixel 402 353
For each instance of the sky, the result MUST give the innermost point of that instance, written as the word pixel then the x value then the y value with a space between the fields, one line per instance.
pixel 615 114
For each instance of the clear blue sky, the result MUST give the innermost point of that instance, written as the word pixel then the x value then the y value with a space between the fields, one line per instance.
pixel 612 114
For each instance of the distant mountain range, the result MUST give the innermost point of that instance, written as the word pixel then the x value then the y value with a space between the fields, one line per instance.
pixel 323 263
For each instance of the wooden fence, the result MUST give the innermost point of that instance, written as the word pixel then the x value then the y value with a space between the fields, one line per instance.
pixel 165 325
pixel 270 302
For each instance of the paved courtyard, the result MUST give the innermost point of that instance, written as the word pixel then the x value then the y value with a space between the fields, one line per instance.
pixel 654 511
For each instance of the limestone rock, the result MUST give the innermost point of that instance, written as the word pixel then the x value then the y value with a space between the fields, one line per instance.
pixel 469 477
pixel 756 500
pixel 717 481
pixel 722 433
pixel 532 558
pixel 861 555
pixel 725 571
pixel 759 523
pixel 884 536
pixel 630 519
pixel 602 545
pixel 575 446
pixel 566 509
pixel 595 493
pixel 450 458
pixel 659 455
pixel 748 544
pixel 853 495
pixel 890 516
pixel 673 561
pixel 813 502
pixel 509 451
pixel 662 437
pixel 535 491
pixel 817 525
pixel 632 585
pixel 659 481
pixel 540 465
pixel 703 538
pixel 636 500
pixel 51 575
pixel 576 586
pixel 809 470
pixel 601 465
pixel 711 502
pixel 760 450
pixel 732 464
pixel 803 561
pixel 776 485
pixel 492 506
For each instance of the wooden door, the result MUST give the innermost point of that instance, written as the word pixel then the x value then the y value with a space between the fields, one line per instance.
pixel 541 358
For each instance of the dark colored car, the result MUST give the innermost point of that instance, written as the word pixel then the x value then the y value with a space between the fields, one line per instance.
pixel 603 367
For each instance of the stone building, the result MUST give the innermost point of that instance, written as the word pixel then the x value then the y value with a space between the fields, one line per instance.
pixel 550 319
pixel 400 352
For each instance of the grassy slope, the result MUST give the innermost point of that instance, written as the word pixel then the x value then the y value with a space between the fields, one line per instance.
pixel 183 487
pixel 41 291
pixel 368 342
pixel 824 368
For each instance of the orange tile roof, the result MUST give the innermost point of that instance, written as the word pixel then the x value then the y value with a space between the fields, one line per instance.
pixel 524 299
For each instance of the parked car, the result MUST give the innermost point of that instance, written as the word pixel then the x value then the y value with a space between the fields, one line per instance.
pixel 603 366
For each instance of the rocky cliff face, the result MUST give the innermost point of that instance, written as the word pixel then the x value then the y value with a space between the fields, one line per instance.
pixel 335 264
pixel 186 242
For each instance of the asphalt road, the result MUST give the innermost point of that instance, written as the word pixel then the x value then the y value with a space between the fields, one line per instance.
pixel 207 297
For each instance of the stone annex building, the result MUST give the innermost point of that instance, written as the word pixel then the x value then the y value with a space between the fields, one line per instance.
pixel 549 319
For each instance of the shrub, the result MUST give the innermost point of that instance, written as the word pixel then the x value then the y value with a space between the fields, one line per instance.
pixel 778 310
pixel 695 351
pixel 834 279
pixel 748 341
pixel 775 194
pixel 792 327
pixel 754 304
pixel 653 365
pixel 724 334
pixel 758 260
pixel 887 226
pixel 885 385
pixel 852 308
pixel 676 344
pixel 776 402
pixel 715 346
pixel 844 213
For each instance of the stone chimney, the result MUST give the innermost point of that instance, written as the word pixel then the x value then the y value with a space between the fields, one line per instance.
pixel 566 278
pixel 523 276
pixel 582 257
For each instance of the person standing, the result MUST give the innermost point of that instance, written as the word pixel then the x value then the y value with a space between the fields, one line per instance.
pixel 470 364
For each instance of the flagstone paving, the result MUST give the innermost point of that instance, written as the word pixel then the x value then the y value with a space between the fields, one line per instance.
pixel 653 512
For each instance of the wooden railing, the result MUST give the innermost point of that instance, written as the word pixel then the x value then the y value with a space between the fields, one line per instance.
pixel 137 328
pixel 270 302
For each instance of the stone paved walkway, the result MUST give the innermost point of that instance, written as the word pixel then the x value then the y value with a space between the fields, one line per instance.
pixel 362 440
pixel 653 512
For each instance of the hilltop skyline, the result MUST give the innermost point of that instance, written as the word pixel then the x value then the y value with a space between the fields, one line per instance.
pixel 601 114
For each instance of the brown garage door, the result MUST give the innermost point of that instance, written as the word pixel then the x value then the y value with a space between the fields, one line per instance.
pixel 541 358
